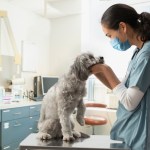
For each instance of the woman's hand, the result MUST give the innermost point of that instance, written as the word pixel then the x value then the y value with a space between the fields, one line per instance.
pixel 99 68
pixel 106 75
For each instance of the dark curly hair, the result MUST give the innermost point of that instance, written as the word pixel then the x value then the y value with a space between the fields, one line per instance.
pixel 124 13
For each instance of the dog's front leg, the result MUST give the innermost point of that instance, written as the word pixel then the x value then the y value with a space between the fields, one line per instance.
pixel 80 113
pixel 66 125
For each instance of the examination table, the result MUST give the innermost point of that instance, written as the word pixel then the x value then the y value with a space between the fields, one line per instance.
pixel 94 142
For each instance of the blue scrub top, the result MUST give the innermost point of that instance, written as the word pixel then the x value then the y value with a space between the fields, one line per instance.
pixel 133 127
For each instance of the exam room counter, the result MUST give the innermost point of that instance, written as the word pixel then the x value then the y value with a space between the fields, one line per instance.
pixel 20 116
pixel 18 103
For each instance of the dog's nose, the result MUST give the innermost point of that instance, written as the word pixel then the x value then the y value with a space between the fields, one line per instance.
pixel 101 59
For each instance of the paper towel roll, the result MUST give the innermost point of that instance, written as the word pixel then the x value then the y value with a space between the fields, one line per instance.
pixel 18 81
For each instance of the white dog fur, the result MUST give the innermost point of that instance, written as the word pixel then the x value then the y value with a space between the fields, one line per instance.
pixel 61 100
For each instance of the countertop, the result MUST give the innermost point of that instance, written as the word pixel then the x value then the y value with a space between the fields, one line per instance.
pixel 18 103
pixel 94 142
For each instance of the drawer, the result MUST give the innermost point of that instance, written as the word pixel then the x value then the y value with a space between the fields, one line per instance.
pixel 15 130
pixel 15 113
pixel 7 147
pixel 12 146
pixel 33 124
pixel 35 110
pixel 16 145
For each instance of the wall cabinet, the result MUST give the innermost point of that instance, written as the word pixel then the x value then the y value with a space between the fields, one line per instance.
pixel 16 124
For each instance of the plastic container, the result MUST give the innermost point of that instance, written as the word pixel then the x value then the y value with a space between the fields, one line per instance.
pixel 2 93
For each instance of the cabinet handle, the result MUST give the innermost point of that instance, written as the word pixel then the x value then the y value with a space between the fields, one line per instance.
pixel 32 107
pixel 18 113
pixel 6 110
pixel 16 125
pixel 6 147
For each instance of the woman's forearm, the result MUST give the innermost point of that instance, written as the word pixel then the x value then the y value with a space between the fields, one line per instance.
pixel 102 78
pixel 106 75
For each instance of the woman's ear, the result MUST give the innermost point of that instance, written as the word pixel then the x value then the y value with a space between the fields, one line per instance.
pixel 123 26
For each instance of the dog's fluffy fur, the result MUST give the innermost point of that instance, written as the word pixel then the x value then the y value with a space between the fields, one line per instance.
pixel 61 100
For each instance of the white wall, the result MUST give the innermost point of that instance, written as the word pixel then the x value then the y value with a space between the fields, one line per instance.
pixel 59 40
pixel 28 26
pixel 93 38
pixel 65 43
pixel 97 42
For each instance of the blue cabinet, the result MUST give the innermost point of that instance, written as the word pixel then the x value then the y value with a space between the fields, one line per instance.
pixel 35 110
pixel 14 130
pixel 0 128
pixel 33 124
pixel 16 124
pixel 0 115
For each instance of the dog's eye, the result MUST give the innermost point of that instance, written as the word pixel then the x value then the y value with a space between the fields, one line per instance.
pixel 86 59
pixel 91 57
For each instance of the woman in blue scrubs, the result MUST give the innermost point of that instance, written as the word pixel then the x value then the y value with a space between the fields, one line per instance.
pixel 125 27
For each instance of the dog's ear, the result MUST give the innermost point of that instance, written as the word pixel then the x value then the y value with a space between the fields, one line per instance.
pixel 83 76
pixel 79 70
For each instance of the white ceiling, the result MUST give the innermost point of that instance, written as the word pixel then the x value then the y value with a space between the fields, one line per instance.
pixel 62 8
pixel 59 8
pixel 49 8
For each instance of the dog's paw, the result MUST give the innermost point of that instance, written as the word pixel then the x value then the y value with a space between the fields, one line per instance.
pixel 68 138
pixel 44 136
pixel 76 134
pixel 80 121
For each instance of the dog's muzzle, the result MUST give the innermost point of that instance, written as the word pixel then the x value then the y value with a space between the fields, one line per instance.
pixel 99 60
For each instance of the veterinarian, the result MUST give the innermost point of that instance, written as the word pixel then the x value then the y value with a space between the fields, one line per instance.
pixel 125 27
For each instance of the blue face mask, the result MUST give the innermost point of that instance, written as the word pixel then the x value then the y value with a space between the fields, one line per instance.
pixel 121 46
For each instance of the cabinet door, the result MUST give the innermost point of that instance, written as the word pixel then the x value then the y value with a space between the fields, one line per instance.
pixel 35 110
pixel 0 115
pixel 33 124
pixel 12 146
pixel 7 147
pixel 15 130
pixel 16 145
pixel 15 113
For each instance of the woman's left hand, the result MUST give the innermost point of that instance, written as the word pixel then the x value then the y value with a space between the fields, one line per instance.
pixel 106 75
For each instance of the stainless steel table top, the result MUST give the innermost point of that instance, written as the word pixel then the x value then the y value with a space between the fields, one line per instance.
pixel 94 142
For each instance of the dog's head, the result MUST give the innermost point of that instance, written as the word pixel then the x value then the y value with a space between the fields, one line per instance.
pixel 82 64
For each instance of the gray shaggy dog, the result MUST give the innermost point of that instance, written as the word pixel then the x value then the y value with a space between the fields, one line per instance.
pixel 61 100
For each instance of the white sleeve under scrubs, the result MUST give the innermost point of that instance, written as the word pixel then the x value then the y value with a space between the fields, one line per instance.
pixel 133 127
